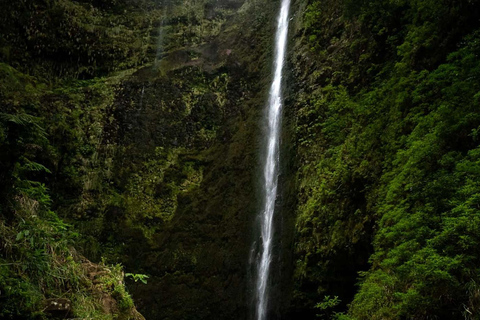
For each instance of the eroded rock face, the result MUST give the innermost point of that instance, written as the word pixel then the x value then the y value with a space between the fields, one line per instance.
pixel 192 126
pixel 108 289
pixel 178 149
pixel 154 156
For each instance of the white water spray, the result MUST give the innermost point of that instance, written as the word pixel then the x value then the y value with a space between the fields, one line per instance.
pixel 271 162
pixel 161 33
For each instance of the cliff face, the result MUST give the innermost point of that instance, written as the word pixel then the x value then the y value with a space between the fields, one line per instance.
pixel 385 115
pixel 151 117
pixel 185 132
pixel 138 124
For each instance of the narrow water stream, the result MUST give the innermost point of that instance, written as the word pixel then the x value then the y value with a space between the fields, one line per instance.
pixel 273 122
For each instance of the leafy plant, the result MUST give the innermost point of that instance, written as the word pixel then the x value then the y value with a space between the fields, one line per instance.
pixel 137 277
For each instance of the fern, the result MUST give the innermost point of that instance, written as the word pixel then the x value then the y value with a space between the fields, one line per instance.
pixel 26 121
pixel 34 166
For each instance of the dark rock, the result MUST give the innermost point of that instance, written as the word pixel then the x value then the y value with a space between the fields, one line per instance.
pixel 58 307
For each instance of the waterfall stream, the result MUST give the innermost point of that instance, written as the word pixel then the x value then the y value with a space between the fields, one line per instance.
pixel 161 33
pixel 270 173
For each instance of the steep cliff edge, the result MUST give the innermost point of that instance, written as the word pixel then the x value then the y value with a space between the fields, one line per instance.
pixel 151 113
pixel 385 123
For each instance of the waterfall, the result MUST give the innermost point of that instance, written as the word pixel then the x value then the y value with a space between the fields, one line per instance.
pixel 161 33
pixel 270 173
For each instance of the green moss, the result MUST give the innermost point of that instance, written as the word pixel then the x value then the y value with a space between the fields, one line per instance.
pixel 153 168
pixel 381 126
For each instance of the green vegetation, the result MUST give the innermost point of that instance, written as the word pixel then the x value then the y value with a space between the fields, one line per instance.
pixel 138 277
pixel 388 159
pixel 113 150
pixel 38 262
pixel 145 161
pixel 49 128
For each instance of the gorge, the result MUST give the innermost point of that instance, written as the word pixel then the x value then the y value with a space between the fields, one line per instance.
pixel 154 165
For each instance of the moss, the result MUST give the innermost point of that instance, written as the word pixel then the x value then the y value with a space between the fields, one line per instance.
pixel 370 159
pixel 38 264
pixel 153 168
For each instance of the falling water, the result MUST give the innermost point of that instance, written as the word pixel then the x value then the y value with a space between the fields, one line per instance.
pixel 161 33
pixel 271 163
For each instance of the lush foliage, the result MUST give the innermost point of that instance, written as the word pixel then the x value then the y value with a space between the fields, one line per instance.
pixel 37 258
pixel 139 129
pixel 388 159
pixel 49 128
pixel 137 123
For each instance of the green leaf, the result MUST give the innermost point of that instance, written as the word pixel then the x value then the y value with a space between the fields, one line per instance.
pixel 19 236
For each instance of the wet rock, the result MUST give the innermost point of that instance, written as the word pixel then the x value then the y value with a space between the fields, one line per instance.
pixel 58 307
